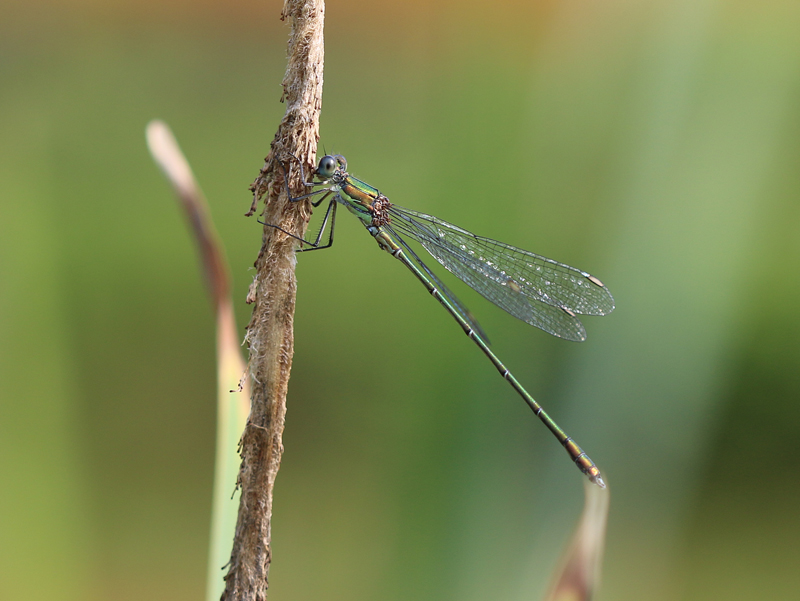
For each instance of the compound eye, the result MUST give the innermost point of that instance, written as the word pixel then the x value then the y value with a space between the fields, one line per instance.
pixel 327 166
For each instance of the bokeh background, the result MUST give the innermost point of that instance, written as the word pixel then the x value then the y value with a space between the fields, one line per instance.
pixel 654 143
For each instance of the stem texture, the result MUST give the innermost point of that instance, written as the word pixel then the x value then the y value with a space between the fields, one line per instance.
pixel 270 334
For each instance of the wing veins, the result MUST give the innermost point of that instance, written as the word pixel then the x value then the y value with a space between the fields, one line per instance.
pixel 494 285
pixel 537 277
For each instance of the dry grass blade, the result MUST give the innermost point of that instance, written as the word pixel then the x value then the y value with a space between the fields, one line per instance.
pixel 233 402
pixel 579 575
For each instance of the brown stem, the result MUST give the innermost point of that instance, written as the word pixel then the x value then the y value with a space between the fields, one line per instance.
pixel 270 332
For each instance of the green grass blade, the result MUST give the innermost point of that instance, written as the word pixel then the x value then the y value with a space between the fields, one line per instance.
pixel 233 394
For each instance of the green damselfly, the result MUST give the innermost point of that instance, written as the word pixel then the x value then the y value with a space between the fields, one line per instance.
pixel 537 290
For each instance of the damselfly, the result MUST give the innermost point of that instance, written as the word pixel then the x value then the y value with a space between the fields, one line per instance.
pixel 537 290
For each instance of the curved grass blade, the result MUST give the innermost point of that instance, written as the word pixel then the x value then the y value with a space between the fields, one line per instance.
pixel 578 577
pixel 233 390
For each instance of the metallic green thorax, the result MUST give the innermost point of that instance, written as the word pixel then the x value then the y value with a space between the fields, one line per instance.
pixel 359 197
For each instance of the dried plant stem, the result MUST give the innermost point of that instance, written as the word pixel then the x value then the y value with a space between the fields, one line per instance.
pixel 270 332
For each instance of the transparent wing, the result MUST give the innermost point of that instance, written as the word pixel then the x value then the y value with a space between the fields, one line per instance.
pixel 457 304
pixel 510 277
pixel 537 277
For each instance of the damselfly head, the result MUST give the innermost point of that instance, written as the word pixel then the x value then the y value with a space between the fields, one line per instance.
pixel 329 164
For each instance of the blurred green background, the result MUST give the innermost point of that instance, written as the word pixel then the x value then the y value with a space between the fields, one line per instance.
pixel 655 144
